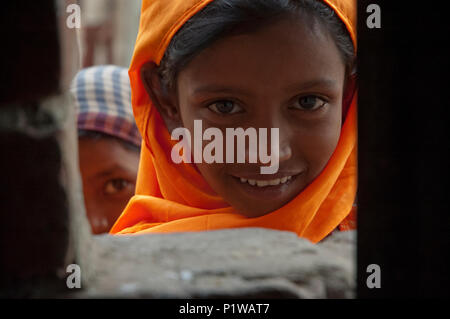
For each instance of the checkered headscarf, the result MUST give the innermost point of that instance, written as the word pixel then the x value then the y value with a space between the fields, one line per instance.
pixel 103 102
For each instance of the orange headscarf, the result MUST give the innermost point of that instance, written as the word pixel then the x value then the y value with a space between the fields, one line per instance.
pixel 175 197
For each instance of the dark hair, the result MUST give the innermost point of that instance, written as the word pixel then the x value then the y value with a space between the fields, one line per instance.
pixel 95 135
pixel 224 17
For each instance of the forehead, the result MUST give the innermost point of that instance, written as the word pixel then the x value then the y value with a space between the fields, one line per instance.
pixel 103 153
pixel 274 55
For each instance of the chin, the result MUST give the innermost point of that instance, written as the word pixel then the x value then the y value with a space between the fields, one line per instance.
pixel 252 212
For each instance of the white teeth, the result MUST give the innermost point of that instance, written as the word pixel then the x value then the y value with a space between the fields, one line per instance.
pixel 275 182
pixel 261 183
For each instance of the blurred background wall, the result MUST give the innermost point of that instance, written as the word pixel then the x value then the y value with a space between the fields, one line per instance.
pixel 108 31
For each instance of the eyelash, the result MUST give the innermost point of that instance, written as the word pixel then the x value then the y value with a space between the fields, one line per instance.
pixel 323 100
pixel 111 182
pixel 209 106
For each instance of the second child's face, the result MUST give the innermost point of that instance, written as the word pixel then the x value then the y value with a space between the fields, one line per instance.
pixel 108 170
pixel 283 76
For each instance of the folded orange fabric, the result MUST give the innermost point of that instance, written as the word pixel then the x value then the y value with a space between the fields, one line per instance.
pixel 175 197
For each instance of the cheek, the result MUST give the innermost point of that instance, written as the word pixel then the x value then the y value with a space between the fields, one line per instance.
pixel 317 145
pixel 102 212
pixel 214 174
pixel 209 166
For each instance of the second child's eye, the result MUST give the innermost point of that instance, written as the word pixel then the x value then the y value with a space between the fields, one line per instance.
pixel 225 107
pixel 117 185
pixel 310 103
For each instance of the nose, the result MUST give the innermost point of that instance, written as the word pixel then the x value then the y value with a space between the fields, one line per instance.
pixel 285 136
pixel 285 151
pixel 274 134
pixel 273 142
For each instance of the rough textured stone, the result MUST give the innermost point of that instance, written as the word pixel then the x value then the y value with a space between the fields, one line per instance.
pixel 234 263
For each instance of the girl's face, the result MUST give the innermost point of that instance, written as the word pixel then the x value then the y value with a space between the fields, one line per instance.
pixel 285 76
pixel 108 170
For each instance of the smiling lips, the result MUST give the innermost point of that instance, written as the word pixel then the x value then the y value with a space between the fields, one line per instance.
pixel 264 183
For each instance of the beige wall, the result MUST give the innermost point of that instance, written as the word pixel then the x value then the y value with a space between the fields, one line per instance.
pixel 113 24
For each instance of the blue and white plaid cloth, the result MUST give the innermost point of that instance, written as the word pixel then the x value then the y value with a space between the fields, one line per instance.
pixel 103 102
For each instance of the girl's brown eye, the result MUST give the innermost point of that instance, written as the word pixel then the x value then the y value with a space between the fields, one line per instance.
pixel 225 107
pixel 310 103
pixel 116 185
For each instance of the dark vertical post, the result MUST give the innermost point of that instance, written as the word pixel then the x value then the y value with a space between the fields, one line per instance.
pixel 33 206
pixel 403 196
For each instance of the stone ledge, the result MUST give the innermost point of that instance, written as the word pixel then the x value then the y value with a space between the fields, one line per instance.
pixel 232 263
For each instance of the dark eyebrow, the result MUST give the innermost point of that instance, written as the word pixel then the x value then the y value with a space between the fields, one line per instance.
pixel 110 171
pixel 220 89
pixel 322 83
